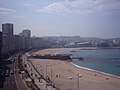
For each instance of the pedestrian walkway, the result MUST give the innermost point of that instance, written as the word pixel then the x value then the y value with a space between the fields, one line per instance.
pixel 23 80
pixel 42 84
pixel 34 74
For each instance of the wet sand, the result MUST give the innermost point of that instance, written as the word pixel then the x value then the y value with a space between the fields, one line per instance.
pixel 65 75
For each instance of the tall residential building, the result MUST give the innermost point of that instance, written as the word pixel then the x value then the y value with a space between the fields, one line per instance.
pixel 7 39
pixel 7 29
pixel 27 34
pixel 0 45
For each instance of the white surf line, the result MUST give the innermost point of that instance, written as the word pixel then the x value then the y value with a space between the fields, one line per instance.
pixel 15 78
pixel 95 71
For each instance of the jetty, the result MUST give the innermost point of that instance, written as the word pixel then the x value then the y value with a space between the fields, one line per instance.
pixel 55 57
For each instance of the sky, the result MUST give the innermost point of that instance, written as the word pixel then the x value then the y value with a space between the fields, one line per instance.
pixel 85 18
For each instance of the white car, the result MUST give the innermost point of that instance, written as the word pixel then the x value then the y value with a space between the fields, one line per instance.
pixel 11 72
pixel 7 72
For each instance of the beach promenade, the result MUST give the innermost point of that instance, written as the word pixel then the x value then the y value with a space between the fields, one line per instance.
pixel 66 76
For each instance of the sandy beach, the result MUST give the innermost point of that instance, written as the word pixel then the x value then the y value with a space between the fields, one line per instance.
pixel 55 50
pixel 66 76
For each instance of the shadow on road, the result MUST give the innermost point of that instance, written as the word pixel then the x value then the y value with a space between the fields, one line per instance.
pixel 3 71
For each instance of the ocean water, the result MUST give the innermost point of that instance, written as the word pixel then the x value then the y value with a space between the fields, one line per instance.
pixel 103 60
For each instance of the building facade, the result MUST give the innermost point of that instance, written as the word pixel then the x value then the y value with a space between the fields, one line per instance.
pixel 10 43
pixel 7 29
pixel 27 36
pixel 37 43
pixel 0 45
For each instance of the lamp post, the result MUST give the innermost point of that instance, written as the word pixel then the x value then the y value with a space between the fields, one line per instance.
pixel 78 81
pixel 40 70
pixel 46 74
pixel 46 77
pixel 51 80
pixel 78 76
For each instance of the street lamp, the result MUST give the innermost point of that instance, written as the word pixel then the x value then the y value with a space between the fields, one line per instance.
pixel 78 76
pixel 46 74
pixel 51 79
pixel 40 70
pixel 46 77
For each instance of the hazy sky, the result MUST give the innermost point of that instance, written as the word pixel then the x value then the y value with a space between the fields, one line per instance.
pixel 88 18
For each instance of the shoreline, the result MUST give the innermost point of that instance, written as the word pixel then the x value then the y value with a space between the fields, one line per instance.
pixel 96 71
pixel 65 73
pixel 89 69
pixel 54 51
pixel 85 68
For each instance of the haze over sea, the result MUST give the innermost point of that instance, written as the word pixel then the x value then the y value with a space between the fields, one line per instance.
pixel 103 60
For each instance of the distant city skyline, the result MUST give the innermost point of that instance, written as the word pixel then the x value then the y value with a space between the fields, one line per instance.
pixel 85 18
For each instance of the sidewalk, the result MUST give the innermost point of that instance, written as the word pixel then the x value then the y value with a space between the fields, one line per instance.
pixel 18 79
pixel 23 80
pixel 42 84
pixel 34 74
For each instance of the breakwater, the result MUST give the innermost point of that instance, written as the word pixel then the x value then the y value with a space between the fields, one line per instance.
pixel 56 57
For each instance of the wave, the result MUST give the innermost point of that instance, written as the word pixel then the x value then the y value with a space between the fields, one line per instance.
pixel 95 71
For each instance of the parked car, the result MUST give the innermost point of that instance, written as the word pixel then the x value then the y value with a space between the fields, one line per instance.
pixel 11 72
pixel 7 73
pixel 12 60
pixel 21 72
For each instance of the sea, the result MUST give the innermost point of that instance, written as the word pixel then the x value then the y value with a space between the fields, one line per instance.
pixel 105 61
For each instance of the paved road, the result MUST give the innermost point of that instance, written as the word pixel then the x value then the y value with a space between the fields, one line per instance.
pixel 18 79
pixel 7 81
pixel 13 81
